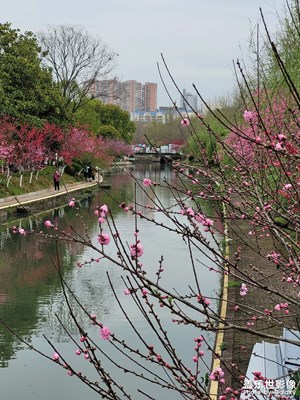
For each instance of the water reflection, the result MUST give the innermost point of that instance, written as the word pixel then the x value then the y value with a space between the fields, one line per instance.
pixel 31 295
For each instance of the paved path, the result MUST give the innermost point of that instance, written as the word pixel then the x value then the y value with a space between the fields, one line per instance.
pixel 32 197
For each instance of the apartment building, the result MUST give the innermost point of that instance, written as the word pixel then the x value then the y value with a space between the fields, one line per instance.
pixel 150 96
pixel 129 95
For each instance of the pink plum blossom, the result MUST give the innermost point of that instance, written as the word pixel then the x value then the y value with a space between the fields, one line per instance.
pixel 55 356
pixel 136 250
pixel 185 122
pixel 48 224
pixel 147 182
pixel 103 210
pixel 277 307
pixel 103 239
pixel 248 115
pixel 105 333
pixel 281 137
pixel 257 375
pixel 217 374
pixel 208 222
pixel 243 290
pixel 72 202
pixel 190 212
pixel 199 339
pixel 127 292
pixel 204 220
pixel 274 257
pixel 203 300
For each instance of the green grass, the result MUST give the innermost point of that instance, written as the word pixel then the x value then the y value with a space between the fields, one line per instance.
pixel 234 284
pixel 43 181
pixel 222 346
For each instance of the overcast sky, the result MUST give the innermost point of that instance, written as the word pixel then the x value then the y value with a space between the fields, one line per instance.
pixel 198 38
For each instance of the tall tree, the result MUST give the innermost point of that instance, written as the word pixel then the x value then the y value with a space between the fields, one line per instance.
pixel 106 120
pixel 27 91
pixel 77 60
pixel 117 118
pixel 88 116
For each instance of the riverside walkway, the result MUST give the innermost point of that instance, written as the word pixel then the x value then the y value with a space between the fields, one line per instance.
pixel 35 202
pixel 25 199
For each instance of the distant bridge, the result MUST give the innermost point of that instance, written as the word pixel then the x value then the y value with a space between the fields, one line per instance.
pixel 162 154
pixel 156 157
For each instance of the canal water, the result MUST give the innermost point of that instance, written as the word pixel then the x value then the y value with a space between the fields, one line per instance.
pixel 31 295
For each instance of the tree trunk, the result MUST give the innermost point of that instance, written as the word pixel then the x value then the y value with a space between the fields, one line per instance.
pixel 62 170
pixel 8 180
pixel 31 175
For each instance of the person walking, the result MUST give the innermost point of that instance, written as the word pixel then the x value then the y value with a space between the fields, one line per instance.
pixel 86 173
pixel 56 177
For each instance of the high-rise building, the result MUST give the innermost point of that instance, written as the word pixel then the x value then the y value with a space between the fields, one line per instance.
pixel 189 101
pixel 150 96
pixel 129 95
pixel 109 91
pixel 133 98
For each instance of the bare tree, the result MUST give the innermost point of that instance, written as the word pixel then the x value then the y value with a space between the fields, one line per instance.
pixel 77 60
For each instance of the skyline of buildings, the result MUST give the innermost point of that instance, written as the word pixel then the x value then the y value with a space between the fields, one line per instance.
pixel 129 95
pixel 140 100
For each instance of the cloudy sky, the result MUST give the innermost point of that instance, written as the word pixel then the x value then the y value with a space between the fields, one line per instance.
pixel 199 39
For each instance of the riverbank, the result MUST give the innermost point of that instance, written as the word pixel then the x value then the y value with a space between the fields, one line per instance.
pixel 248 312
pixel 44 199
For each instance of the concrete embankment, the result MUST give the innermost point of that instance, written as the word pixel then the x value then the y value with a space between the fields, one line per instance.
pixel 35 202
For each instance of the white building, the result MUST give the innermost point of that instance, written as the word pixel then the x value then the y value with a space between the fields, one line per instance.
pixel 159 116
pixel 189 101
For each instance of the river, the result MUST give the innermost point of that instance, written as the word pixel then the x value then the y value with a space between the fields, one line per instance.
pixel 31 294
